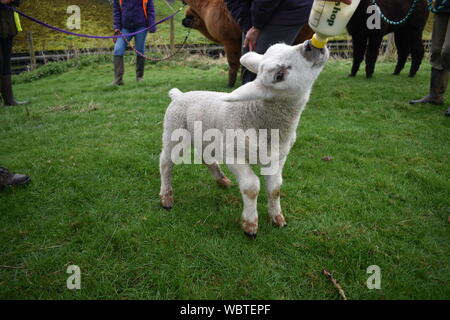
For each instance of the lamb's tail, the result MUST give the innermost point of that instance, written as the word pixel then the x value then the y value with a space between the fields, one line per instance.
pixel 174 93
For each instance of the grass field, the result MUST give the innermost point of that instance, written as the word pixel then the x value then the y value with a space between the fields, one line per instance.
pixel 92 152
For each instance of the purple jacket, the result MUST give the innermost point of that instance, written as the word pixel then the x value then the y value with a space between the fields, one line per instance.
pixel 131 15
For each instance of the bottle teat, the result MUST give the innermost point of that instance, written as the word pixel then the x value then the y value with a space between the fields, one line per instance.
pixel 319 41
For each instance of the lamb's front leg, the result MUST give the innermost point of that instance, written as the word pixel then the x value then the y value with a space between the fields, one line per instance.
pixel 249 186
pixel 273 188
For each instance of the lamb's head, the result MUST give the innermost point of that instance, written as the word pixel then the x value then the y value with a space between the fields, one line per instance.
pixel 283 71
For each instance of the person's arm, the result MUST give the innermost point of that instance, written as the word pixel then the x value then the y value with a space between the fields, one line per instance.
pixel 261 14
pixel 117 16
pixel 240 11
pixel 263 11
pixel 151 15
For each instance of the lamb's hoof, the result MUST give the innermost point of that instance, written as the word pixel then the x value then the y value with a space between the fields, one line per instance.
pixel 166 200
pixel 250 235
pixel 250 229
pixel 224 182
pixel 280 221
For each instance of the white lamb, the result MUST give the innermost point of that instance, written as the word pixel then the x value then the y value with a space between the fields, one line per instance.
pixel 274 100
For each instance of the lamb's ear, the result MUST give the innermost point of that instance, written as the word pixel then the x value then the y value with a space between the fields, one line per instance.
pixel 248 92
pixel 251 61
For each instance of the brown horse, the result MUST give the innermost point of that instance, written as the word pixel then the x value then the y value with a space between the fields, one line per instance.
pixel 213 20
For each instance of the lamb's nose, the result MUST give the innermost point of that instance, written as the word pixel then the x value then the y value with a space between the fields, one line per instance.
pixel 308 46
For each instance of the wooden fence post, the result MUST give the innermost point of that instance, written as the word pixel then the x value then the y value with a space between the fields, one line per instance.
pixel 31 51
pixel 172 35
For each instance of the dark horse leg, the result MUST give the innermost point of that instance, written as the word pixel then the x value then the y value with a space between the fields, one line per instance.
pixel 402 44
pixel 233 54
pixel 417 51
pixel 373 48
pixel 359 50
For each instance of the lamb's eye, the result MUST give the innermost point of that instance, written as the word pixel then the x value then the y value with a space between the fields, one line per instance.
pixel 279 76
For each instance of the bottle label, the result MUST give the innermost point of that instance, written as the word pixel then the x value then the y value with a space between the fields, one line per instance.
pixel 336 9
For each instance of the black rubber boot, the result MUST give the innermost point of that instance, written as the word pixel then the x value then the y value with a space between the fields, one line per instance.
pixel 438 86
pixel 8 178
pixel 140 64
pixel 118 70
pixel 7 92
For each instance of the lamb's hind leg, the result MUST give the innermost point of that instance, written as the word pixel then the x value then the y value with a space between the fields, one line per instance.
pixel 165 169
pixel 218 175
pixel 249 186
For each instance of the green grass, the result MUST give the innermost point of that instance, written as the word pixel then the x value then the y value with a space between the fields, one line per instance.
pixel 92 152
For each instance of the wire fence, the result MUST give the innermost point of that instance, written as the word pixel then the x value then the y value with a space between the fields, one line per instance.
pixel 341 49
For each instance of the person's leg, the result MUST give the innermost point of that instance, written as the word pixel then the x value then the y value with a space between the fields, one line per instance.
pixel 140 60
pixel 445 56
pixel 2 60
pixel 119 51
pixel 269 36
pixel 437 40
pixel 440 60
pixel 6 87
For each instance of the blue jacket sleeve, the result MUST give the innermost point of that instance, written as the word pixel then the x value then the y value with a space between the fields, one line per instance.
pixel 117 15
pixel 151 15
pixel 262 11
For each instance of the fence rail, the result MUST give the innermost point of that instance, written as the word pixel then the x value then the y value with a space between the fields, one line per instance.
pixel 28 61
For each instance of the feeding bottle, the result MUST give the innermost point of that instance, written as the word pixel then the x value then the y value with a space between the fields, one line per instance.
pixel 329 18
